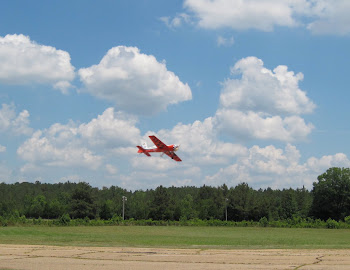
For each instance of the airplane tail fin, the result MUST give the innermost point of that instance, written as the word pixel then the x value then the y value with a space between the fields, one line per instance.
pixel 142 150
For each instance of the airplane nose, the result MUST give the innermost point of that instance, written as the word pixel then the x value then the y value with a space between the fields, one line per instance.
pixel 176 147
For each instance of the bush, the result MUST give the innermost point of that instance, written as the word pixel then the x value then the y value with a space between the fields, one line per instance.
pixel 3 221
pixel 332 224
pixel 263 222
pixel 347 220
pixel 116 218
pixel 64 220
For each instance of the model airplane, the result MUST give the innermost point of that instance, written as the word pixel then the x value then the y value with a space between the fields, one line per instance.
pixel 159 147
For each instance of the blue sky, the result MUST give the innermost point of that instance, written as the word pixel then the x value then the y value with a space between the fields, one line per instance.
pixel 253 91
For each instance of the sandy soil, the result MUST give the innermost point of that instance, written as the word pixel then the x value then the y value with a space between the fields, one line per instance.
pixel 53 257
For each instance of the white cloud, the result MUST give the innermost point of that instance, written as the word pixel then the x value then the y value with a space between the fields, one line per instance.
pixel 322 164
pixel 86 145
pixel 154 171
pixel 177 21
pixel 199 144
pixel 111 169
pixel 155 163
pixel 263 104
pixel 144 179
pixel 23 62
pixel 58 149
pixel 253 125
pixel 242 15
pixel 13 123
pixel 63 86
pixel 91 147
pixel 196 137
pixel 263 90
pixel 323 16
pixel 225 41
pixel 2 148
pixel 135 82
pixel 111 130
pixel 199 149
pixel 276 168
pixel 332 17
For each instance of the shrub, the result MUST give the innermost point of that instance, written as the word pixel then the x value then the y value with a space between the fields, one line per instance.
pixel 3 221
pixel 347 220
pixel 332 224
pixel 64 220
pixel 263 222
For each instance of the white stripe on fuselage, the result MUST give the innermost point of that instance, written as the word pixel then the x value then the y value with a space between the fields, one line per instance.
pixel 150 148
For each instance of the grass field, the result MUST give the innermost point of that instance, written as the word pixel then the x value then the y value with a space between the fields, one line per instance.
pixel 178 237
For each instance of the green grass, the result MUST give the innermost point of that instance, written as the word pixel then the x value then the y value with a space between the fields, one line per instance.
pixel 178 237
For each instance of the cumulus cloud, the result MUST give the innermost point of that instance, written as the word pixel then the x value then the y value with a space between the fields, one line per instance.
pixel 242 15
pixel 273 167
pixel 85 145
pixel 199 149
pixel 135 82
pixel 13 123
pixel 24 62
pixel 156 163
pixel 325 162
pixel 199 144
pixel 332 17
pixel 156 170
pixel 57 149
pixel 260 89
pixel 91 146
pixel 252 125
pixel 263 104
pixel 111 129
pixel 319 16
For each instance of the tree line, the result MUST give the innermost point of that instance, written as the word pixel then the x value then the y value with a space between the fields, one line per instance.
pixel 329 199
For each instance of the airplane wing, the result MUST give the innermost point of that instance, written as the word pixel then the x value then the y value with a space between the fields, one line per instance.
pixel 158 142
pixel 172 155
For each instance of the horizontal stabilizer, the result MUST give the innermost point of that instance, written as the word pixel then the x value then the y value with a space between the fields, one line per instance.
pixel 141 150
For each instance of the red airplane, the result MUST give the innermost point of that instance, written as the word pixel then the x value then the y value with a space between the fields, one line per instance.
pixel 159 147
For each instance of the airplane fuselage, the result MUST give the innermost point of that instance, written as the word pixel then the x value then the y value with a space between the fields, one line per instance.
pixel 155 149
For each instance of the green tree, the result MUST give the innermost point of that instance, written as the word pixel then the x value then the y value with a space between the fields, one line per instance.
pixel 187 207
pixel 54 209
pixel 106 211
pixel 82 203
pixel 159 209
pixel 210 203
pixel 138 204
pixel 304 201
pixel 242 205
pixel 332 194
pixel 37 207
pixel 288 204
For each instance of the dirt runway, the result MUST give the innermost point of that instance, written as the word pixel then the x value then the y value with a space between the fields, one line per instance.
pixel 23 257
